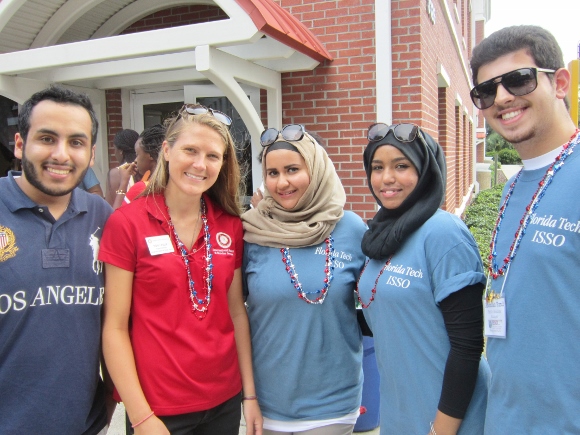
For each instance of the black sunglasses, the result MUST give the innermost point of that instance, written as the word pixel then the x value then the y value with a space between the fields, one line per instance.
pixel 518 82
pixel 402 132
pixel 293 132
pixel 198 109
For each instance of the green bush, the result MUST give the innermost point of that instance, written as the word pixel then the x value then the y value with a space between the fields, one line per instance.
pixel 480 218
pixel 509 156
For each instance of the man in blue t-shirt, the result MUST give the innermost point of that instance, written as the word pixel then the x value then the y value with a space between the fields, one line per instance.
pixel 52 282
pixel 532 305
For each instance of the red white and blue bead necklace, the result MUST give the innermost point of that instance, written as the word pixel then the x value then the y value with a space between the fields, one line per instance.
pixel 328 272
pixel 374 289
pixel 199 306
pixel 494 270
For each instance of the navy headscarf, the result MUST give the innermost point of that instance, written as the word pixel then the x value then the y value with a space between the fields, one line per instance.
pixel 390 228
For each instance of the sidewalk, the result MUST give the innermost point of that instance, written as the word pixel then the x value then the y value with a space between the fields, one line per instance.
pixel 118 424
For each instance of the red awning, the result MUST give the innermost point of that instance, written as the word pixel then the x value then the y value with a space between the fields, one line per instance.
pixel 276 22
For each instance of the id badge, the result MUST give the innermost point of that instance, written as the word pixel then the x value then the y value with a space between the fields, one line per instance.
pixel 494 317
pixel 159 245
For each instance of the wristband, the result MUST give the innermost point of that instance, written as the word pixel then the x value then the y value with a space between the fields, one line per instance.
pixel 250 398
pixel 137 424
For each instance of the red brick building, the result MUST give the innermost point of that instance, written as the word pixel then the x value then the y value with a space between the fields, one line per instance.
pixel 335 66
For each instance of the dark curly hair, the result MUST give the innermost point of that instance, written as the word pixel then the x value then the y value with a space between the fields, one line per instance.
pixel 151 140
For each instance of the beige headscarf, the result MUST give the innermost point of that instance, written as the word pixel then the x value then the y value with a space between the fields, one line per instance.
pixel 314 216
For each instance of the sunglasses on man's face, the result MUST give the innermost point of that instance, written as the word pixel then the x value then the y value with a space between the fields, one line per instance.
pixel 198 109
pixel 519 82
pixel 292 132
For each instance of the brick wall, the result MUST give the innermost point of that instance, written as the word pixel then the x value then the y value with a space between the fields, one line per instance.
pixel 338 99
pixel 177 16
pixel 421 61
pixel 114 122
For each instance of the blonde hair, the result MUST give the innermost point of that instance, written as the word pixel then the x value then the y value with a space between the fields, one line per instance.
pixel 226 190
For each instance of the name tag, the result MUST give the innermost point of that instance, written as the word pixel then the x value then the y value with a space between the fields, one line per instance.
pixel 52 258
pixel 159 245
pixel 494 318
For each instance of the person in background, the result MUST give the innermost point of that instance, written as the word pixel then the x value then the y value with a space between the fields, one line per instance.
pixel 532 297
pixel 147 150
pixel 307 345
pixel 176 337
pixel 90 183
pixel 52 281
pixel 121 178
pixel 421 291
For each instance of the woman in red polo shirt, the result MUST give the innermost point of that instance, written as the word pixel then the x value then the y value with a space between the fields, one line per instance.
pixel 175 336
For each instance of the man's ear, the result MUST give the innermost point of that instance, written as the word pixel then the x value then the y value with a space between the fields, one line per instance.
pixel 18 146
pixel 92 156
pixel 562 82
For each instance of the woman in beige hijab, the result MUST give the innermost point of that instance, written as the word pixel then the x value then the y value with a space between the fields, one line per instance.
pixel 302 258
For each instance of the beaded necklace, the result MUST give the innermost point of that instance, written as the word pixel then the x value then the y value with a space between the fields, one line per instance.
pixel 328 269
pixel 374 290
pixel 494 270
pixel 199 306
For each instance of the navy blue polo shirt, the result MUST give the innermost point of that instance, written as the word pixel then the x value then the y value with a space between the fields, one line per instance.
pixel 51 293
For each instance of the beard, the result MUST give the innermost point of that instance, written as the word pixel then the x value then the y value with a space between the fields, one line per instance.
pixel 32 177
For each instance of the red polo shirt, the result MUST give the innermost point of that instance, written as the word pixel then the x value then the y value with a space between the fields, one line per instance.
pixel 184 364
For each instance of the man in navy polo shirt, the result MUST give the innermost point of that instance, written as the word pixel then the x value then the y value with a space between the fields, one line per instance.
pixel 51 281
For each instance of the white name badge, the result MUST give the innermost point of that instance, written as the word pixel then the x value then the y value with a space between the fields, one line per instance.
pixel 494 318
pixel 159 245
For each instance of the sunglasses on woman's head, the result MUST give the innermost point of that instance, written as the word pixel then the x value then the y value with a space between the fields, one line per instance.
pixel 198 109
pixel 519 82
pixel 402 132
pixel 292 132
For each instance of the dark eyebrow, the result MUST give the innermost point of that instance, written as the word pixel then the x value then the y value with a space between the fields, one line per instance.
pixel 396 159
pixel 54 133
pixel 291 165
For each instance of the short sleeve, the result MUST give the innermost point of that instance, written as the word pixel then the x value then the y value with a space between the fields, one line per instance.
pixel 454 258
pixel 90 179
pixel 118 244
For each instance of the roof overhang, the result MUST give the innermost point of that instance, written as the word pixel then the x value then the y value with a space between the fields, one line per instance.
pixel 257 31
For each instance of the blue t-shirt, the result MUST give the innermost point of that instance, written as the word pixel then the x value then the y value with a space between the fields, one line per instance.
pixel 51 294
pixel 89 180
pixel 535 385
pixel 410 338
pixel 307 358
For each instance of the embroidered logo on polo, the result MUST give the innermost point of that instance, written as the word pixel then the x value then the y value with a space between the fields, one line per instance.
pixel 224 241
pixel 8 246
pixel 94 244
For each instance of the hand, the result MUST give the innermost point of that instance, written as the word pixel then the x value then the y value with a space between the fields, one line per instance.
pixel 256 198
pixel 152 426
pixel 253 417
pixel 126 171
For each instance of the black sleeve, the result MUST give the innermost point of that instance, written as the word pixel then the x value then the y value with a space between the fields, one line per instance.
pixel 463 317
pixel 362 323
